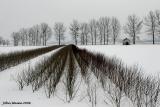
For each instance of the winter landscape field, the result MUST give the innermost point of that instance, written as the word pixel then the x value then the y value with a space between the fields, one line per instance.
pixel 79 53
pixel 8 49
pixel 145 56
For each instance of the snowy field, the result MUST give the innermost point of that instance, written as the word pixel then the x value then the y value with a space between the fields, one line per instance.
pixel 146 56
pixel 7 49
pixel 9 88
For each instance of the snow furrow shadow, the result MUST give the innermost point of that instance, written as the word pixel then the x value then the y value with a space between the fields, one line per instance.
pixel 14 58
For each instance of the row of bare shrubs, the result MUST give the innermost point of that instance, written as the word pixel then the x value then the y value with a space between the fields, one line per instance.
pixel 14 58
pixel 49 71
pixel 119 80
pixel 40 75
pixel 116 79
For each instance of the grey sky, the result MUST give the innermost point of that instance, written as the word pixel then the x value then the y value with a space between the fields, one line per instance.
pixel 15 14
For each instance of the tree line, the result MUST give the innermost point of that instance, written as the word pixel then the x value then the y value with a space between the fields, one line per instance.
pixel 36 35
pixel 103 31
pixel 4 42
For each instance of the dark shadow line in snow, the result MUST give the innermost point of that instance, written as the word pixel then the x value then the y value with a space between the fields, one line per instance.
pixel 14 58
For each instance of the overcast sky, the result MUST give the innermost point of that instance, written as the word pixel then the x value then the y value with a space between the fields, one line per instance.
pixel 15 14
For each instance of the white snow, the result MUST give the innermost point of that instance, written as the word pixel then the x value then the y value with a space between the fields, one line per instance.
pixel 8 49
pixel 146 56
pixel 9 89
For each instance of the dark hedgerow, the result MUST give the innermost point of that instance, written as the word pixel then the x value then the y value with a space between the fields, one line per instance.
pixel 116 79
pixel 12 59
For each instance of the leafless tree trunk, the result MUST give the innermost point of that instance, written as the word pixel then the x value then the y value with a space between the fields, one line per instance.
pixel 150 23
pixel 133 27
pixel 116 27
pixel 36 29
pixel 59 30
pixel 91 27
pixel 95 30
pixel 22 35
pixel 1 40
pixel 31 34
pixel 84 28
pixel 82 37
pixel 100 32
pixel 106 24
pixel 16 38
pixel 158 21
pixel 74 28
pixel 46 32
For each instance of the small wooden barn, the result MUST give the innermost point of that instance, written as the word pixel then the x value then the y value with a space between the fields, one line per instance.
pixel 126 41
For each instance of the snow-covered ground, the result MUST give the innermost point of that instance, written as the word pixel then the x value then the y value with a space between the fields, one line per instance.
pixel 9 91
pixel 146 56
pixel 7 49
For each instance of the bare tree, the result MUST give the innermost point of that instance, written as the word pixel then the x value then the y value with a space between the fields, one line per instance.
pixel 31 36
pixel 155 90
pixel 95 32
pixel 59 30
pixel 114 94
pixel 37 32
pixel 93 29
pixel 7 42
pixel 116 27
pixel 36 35
pixel 16 38
pixel 158 20
pixel 74 28
pixel 133 26
pixel 4 41
pixel 137 96
pixel 150 22
pixel 22 36
pixel 82 36
pixel 26 36
pixel 84 28
pixel 1 40
pixel 105 23
pixel 100 32
pixel 46 32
